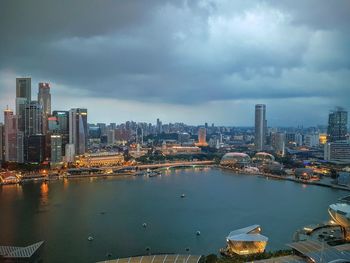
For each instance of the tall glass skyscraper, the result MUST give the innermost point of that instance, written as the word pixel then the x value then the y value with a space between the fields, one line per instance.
pixel 44 99
pixel 78 130
pixel 260 126
pixel 337 125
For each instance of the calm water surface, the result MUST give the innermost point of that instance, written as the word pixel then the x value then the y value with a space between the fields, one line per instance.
pixel 64 213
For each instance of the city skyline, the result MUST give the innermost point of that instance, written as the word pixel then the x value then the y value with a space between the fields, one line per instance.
pixel 204 61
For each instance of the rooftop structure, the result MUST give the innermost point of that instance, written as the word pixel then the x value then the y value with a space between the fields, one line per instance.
pixel 234 158
pixel 340 213
pixel 158 258
pixel 246 241
pixel 19 254
pixel 264 157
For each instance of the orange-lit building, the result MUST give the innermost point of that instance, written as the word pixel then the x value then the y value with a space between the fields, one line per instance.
pixel 100 159
pixel 202 137
pixel 323 139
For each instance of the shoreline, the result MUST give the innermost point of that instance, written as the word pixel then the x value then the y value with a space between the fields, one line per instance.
pixel 234 171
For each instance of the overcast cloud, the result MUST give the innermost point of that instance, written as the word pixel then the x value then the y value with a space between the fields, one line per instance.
pixel 191 61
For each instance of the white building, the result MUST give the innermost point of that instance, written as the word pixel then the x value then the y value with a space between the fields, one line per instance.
pixel 338 151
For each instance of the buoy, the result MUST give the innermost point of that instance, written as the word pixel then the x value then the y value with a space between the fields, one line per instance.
pixel 144 225
pixel 148 248
pixel 187 249
pixel 183 195
pixel 198 233
pixel 90 238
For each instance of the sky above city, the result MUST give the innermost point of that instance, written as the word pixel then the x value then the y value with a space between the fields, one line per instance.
pixel 181 61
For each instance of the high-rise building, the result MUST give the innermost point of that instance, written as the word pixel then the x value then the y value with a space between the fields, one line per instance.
pixel 56 148
pixel 78 130
pixel 32 126
pixel 10 136
pixel 312 140
pixel 337 125
pixel 202 137
pixel 70 153
pixel 24 88
pixel 260 126
pixel 36 148
pixel 32 118
pixel 44 99
pixel 2 129
pixel 111 137
pixel 60 125
pixel 278 141
pixel 338 151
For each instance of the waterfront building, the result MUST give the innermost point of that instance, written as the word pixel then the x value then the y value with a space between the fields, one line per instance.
pixel 56 148
pixel 340 214
pixel 78 130
pixel 100 159
pixel 10 136
pixel 337 152
pixel 235 158
pixel 44 99
pixel 337 125
pixel 70 153
pixel 246 241
pixel 61 127
pixel 260 126
pixel 2 129
pixel 36 148
pixel 278 141
pixel 202 137
pixel 263 157
pixel 303 173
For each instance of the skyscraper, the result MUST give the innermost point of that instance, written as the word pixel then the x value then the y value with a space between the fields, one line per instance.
pixel 10 136
pixel 78 130
pixel 260 126
pixel 2 129
pixel 202 137
pixel 32 126
pixel 44 99
pixel 337 125
pixel 56 148
pixel 24 88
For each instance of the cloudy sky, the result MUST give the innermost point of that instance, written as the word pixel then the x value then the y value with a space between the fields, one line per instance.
pixel 191 61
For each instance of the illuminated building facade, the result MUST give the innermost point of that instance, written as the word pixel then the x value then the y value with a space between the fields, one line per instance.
pixel 338 151
pixel 246 241
pixel 260 126
pixel 78 130
pixel 235 158
pixel 202 137
pixel 100 159
pixel 278 141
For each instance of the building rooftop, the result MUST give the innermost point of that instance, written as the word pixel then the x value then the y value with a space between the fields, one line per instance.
pixel 247 234
pixel 19 252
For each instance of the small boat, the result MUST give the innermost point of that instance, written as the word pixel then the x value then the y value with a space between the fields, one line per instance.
pixel 183 195
pixel 144 225
pixel 198 233
pixel 90 238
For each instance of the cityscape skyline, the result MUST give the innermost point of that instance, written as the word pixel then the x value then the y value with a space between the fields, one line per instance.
pixel 212 61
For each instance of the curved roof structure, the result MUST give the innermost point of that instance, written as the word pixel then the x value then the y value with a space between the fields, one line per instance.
pixel 340 213
pixel 264 156
pixel 247 234
pixel 236 157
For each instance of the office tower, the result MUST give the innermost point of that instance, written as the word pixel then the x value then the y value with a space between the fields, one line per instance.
pixel 202 137
pixel 78 130
pixel 278 141
pixel 103 129
pixel 337 125
pixel 60 125
pixel 260 126
pixel 36 148
pixel 2 129
pixel 24 88
pixel 32 125
pixel 20 146
pixel 338 151
pixel 10 136
pixel 159 127
pixel 44 99
pixel 70 153
pixel 56 148
pixel 111 137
